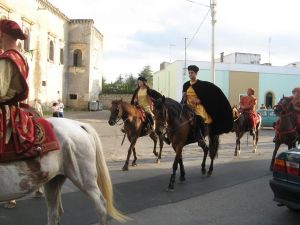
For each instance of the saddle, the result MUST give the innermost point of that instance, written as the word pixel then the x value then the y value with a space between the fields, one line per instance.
pixel 44 141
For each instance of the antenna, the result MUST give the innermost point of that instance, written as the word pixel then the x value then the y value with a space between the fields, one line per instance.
pixel 269 45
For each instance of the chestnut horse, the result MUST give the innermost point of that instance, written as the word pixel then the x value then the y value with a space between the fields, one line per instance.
pixel 285 126
pixel 80 159
pixel 134 128
pixel 176 122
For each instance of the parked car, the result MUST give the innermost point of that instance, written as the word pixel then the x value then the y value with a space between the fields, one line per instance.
pixel 268 117
pixel 286 179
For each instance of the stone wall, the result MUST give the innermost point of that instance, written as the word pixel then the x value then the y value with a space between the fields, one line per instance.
pixel 106 99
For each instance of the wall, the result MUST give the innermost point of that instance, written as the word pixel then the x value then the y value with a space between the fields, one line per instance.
pixel 106 99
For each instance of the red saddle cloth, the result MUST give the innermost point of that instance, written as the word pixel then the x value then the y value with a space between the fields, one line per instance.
pixel 44 141
pixel 142 114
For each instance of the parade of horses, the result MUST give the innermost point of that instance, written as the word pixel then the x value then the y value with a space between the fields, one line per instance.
pixel 40 154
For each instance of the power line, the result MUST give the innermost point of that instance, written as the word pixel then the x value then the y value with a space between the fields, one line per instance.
pixel 200 25
pixel 199 3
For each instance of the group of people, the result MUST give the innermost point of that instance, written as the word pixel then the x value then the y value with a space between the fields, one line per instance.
pixel 58 109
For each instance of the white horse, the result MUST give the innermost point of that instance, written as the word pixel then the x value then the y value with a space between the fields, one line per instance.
pixel 80 159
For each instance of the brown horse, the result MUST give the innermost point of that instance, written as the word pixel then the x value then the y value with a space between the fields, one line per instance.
pixel 134 128
pixel 241 126
pixel 285 127
pixel 176 121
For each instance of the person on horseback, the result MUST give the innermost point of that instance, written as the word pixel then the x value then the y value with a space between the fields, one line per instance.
pixel 201 97
pixel 248 105
pixel 142 97
pixel 296 106
pixel 14 122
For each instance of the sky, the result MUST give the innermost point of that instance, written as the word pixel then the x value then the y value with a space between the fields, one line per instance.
pixel 147 32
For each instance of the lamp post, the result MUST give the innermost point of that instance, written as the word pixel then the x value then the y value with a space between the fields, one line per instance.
pixel 213 4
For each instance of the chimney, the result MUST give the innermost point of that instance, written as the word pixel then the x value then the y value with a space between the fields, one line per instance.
pixel 222 57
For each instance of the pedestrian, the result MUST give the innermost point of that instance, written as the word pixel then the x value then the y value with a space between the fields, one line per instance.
pixel 55 109
pixel 38 107
pixel 61 108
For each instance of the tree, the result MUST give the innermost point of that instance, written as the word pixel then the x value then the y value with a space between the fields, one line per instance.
pixel 148 74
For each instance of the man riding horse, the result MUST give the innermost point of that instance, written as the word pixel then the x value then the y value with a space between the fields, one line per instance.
pixel 14 122
pixel 209 104
pixel 142 97
pixel 248 108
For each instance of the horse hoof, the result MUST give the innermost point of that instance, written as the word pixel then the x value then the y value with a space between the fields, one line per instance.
pixel 134 164
pixel 209 173
pixel 10 204
pixel 254 151
pixel 157 161
pixel 169 189
pixel 182 180
pixel 125 168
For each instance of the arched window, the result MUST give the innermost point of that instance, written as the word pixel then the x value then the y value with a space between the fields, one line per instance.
pixel 27 41
pixel 77 58
pixel 3 17
pixel 51 50
pixel 269 99
pixel 61 56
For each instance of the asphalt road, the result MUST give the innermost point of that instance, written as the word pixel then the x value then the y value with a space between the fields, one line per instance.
pixel 238 193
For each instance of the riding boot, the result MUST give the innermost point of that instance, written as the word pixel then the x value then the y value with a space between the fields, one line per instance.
pixel 200 129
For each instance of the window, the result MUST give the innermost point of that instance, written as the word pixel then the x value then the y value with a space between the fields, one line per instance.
pixel 77 58
pixel 27 41
pixel 61 56
pixel 73 96
pixel 51 51
pixel 269 99
pixel 44 83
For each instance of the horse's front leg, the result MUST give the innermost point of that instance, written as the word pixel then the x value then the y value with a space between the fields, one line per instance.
pixel 153 136
pixel 182 170
pixel 213 151
pixel 204 146
pixel 255 140
pixel 277 145
pixel 161 145
pixel 178 151
pixel 134 158
pixel 237 144
pixel 132 144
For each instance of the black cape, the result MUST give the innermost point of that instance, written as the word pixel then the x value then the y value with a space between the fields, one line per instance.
pixel 215 103
pixel 154 95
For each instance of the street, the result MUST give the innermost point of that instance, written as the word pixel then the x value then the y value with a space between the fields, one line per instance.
pixel 237 193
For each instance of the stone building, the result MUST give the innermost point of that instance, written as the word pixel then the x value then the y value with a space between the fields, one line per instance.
pixel 64 55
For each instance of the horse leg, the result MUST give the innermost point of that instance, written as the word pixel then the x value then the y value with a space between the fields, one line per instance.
pixel 153 136
pixel 205 150
pixel 256 139
pixel 253 142
pixel 161 145
pixel 238 143
pixel 134 158
pixel 53 198
pixel 132 144
pixel 277 145
pixel 178 151
pixel 213 151
pixel 182 170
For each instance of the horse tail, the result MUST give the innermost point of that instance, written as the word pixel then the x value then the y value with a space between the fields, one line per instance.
pixel 103 179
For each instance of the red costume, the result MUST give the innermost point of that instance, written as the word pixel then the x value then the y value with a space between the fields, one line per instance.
pixel 248 105
pixel 19 131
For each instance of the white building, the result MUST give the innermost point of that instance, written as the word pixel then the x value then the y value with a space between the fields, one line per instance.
pixel 64 55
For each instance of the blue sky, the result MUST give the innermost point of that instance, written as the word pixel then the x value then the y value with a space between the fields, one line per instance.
pixel 148 32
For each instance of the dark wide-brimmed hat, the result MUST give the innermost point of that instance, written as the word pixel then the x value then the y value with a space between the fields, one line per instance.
pixel 142 79
pixel 193 68
pixel 12 28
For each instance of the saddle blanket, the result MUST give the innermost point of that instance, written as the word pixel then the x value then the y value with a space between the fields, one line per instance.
pixel 44 141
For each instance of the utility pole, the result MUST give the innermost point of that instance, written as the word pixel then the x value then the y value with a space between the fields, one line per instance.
pixel 213 4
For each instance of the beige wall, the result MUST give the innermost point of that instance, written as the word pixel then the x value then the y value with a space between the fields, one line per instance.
pixel 239 82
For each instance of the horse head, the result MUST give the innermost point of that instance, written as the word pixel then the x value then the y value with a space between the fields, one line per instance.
pixel 116 112
pixel 160 115
pixel 283 105
pixel 235 112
